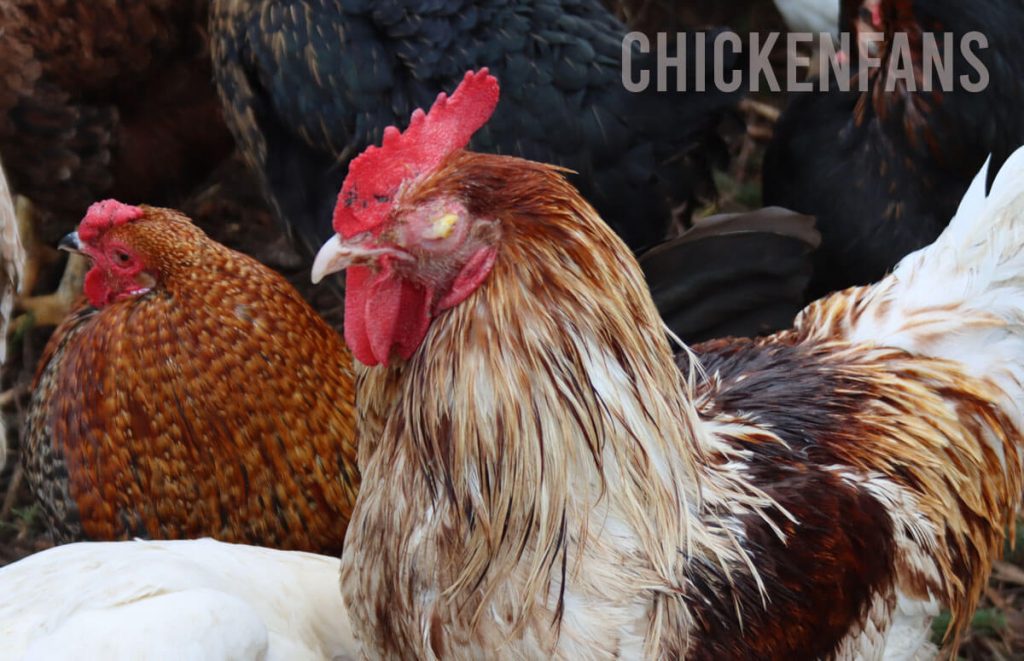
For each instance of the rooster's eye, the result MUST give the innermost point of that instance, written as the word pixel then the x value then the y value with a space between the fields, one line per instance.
pixel 442 227
pixel 122 257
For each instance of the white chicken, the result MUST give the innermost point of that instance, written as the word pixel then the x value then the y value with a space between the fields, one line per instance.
pixel 810 15
pixel 195 599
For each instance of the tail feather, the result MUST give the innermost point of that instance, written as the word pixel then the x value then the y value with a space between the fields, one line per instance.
pixel 962 298
pixel 733 275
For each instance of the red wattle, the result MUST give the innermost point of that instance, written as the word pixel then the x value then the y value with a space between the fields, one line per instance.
pixel 355 318
pixel 96 288
pixel 384 315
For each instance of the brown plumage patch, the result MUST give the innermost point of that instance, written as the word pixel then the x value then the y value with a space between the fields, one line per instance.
pixel 217 404
pixel 916 422
pixel 838 549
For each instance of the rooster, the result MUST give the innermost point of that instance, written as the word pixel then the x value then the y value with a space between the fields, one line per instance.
pixel 179 401
pixel 541 478
pixel 884 170
pixel 194 599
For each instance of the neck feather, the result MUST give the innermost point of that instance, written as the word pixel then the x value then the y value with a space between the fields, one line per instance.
pixel 550 397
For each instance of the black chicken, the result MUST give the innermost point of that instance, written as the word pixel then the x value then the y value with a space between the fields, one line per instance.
pixel 733 275
pixel 307 84
pixel 883 171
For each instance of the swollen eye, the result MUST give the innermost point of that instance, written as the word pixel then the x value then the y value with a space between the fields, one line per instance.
pixel 442 227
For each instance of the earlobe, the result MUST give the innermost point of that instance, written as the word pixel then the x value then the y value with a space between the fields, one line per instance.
pixel 470 277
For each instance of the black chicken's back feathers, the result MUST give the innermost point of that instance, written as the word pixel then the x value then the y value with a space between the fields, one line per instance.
pixel 308 84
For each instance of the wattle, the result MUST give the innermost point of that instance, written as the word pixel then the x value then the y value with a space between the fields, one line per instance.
pixel 385 315
pixel 96 288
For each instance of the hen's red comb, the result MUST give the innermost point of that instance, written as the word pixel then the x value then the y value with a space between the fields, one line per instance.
pixel 101 216
pixel 375 175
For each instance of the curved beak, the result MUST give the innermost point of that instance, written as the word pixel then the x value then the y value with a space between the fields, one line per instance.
pixel 71 243
pixel 338 254
pixel 333 256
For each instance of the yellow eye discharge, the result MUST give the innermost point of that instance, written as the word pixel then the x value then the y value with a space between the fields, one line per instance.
pixel 443 226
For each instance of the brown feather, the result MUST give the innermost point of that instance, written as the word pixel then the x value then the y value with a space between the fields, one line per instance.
pixel 106 99
pixel 216 404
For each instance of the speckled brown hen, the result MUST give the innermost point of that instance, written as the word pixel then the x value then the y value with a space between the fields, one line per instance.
pixel 541 480
pixel 197 395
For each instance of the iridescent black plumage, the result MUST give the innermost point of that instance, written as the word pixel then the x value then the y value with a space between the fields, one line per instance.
pixel 733 275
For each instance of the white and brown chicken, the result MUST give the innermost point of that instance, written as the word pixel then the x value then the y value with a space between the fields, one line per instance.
pixel 543 477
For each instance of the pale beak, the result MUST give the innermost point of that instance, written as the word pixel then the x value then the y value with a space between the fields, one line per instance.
pixel 333 257
pixel 337 255
pixel 71 243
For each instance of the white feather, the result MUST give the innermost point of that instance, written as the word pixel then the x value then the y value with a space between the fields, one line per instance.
pixel 810 15
pixel 198 599
pixel 962 298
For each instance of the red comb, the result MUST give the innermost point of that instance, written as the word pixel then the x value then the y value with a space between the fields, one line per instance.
pixel 375 175
pixel 101 216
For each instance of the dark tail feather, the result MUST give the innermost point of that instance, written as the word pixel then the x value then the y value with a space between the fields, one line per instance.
pixel 733 275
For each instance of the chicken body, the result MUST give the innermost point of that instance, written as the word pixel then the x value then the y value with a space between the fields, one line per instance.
pixel 185 407
pixel 308 84
pixel 733 275
pixel 196 599
pixel 541 479
pixel 883 170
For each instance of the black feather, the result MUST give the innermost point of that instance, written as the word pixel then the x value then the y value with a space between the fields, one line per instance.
pixel 308 84
pixel 884 172
pixel 733 275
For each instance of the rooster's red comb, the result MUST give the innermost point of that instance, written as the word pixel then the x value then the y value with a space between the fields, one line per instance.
pixel 101 216
pixel 375 175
